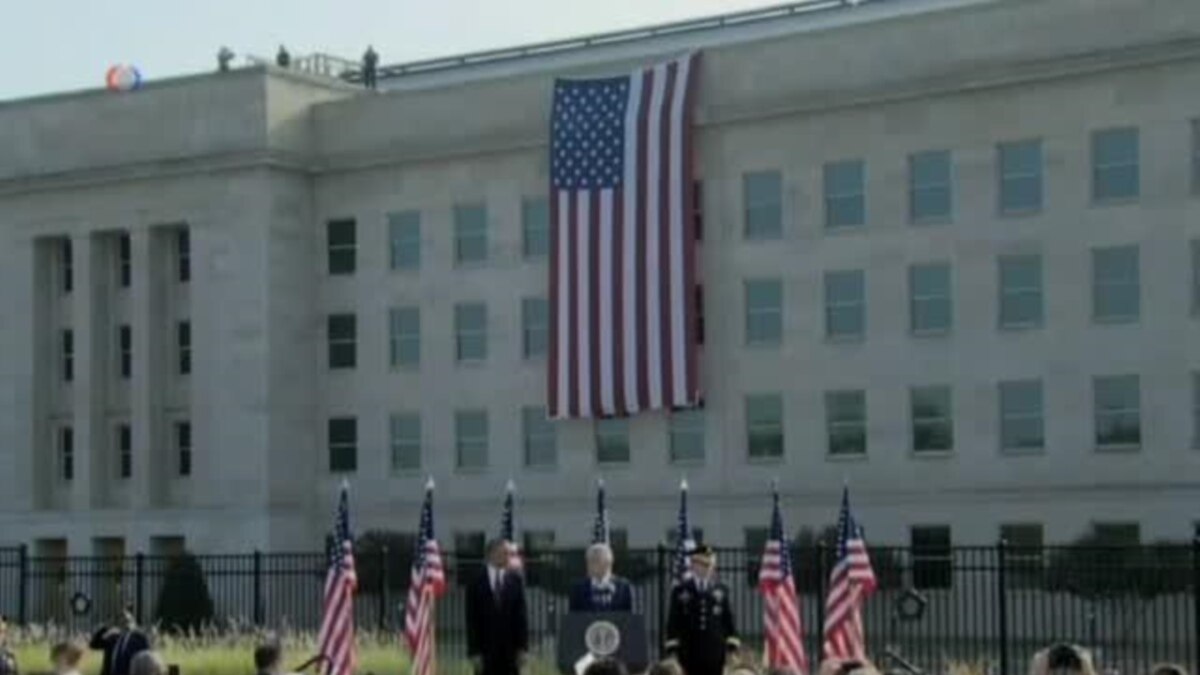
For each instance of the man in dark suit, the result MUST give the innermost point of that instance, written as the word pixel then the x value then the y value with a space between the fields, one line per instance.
pixel 497 628
pixel 700 625
pixel 601 591
pixel 120 642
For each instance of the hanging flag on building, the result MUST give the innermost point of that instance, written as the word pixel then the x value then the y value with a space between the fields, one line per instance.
pixel 850 583
pixel 508 527
pixel 336 636
pixel 784 632
pixel 623 249
pixel 427 583
pixel 684 543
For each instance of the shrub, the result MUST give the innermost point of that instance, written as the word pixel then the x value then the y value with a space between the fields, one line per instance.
pixel 184 603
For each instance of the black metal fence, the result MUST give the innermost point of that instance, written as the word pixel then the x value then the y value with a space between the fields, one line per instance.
pixel 990 605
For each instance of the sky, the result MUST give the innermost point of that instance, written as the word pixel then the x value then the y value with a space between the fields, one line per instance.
pixel 63 45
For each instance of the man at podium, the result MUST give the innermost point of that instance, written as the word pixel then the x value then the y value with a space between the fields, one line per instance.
pixel 602 591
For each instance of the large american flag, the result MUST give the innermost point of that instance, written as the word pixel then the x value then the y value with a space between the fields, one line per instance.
pixel 623 247
pixel 851 581
pixel 781 606
pixel 508 527
pixel 336 637
pixel 682 567
pixel 601 532
pixel 428 581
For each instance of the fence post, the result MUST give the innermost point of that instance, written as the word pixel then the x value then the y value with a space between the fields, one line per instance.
pixel 1002 602
pixel 259 620
pixel 821 548
pixel 1196 594
pixel 384 580
pixel 23 572
pixel 663 595
pixel 139 571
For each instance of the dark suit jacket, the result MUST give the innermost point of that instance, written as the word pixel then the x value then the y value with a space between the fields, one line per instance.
pixel 582 598
pixel 119 649
pixel 497 628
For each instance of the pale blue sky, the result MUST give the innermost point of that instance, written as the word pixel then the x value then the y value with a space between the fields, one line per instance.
pixel 62 45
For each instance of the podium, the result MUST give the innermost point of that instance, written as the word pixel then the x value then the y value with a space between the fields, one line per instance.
pixel 620 635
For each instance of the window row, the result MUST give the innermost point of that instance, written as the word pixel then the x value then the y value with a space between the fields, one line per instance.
pixel 122 259
pixel 123 358
pixel 122 444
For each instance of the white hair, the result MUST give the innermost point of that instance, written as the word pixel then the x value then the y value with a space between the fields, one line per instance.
pixel 600 551
pixel 147 663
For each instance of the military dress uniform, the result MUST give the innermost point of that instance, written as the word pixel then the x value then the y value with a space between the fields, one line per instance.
pixel 700 627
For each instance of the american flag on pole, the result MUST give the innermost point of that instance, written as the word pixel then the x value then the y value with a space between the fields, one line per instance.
pixel 601 531
pixel 684 544
pixel 851 581
pixel 623 248
pixel 508 527
pixel 336 637
pixel 427 583
pixel 784 642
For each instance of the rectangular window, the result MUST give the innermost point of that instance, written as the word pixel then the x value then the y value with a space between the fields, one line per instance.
pixel 932 414
pixel 1117 534
pixel 672 537
pixel 470 331
pixel 124 260
pixel 404 336
pixel 1023 554
pixel 1196 410
pixel 66 453
pixel 845 199
pixel 124 451
pixel 845 304
pixel 537 543
pixel 404 240
pixel 66 265
pixel 470 234
pixel 762 195
pixel 1117 400
pixel 1021 416
pixel 183 255
pixel 541 445
pixel 930 305
pixel 343 444
pixel 535 227
pixel 929 187
pixel 183 447
pixel 612 441
pixel 764 426
pixel 686 435
pixel 341 237
pixel 1115 165
pixel 471 439
pixel 846 422
pixel 470 545
pixel 404 432
pixel 535 326
pixel 1116 284
pixel 125 346
pixel 1020 291
pixel 67 345
pixel 1020 176
pixel 343 340
pixel 764 311
pixel 183 343
pixel 932 557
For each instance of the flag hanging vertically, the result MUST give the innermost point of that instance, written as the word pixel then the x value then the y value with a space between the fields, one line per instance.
pixel 784 632
pixel 851 581
pixel 336 636
pixel 601 533
pixel 428 581
pixel 508 527
pixel 684 544
pixel 623 248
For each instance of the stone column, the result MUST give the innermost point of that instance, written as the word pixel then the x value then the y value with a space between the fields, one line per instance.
pixel 150 336
pixel 91 372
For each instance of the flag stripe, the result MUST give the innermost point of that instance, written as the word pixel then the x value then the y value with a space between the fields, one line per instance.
pixel 618 297
pixel 560 370
pixel 653 221
pixel 665 213
pixel 604 301
pixel 629 235
pixel 679 207
pixel 640 237
pixel 581 205
pixel 594 327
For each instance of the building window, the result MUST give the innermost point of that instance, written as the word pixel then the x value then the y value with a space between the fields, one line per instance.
pixel 535 326
pixel 1196 410
pixel 537 542
pixel 762 194
pixel 67 346
pixel 845 304
pixel 932 414
pixel 686 436
pixel 845 201
pixel 612 441
pixel 343 444
pixel 1115 171
pixel 1020 291
pixel 471 439
pixel 66 265
pixel 764 426
pixel 541 446
pixel 404 337
pixel 846 422
pixel 470 545
pixel 672 537
pixel 1118 411
pixel 764 312
pixel 470 331
pixel 66 453
pixel 1020 177
pixel 125 345
pixel 404 431
pixel 124 260
pixel 404 240
pixel 929 187
pixel 343 340
pixel 1021 417
pixel 342 246
pixel 1116 284
pixel 535 227
pixel 932 557
pixel 930 305
pixel 183 255
pixel 1117 534
pixel 1023 554
pixel 470 234
pixel 183 342
pixel 124 451
pixel 183 447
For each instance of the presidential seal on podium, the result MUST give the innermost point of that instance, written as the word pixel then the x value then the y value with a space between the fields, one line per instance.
pixel 602 638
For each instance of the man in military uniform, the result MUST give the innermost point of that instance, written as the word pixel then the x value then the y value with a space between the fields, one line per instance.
pixel 700 625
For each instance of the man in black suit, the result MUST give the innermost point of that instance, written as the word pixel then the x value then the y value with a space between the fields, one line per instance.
pixel 120 643
pixel 601 591
pixel 497 628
